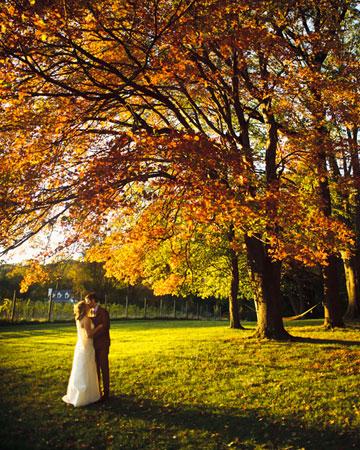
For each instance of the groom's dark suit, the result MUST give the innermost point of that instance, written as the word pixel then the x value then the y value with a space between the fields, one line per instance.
pixel 101 344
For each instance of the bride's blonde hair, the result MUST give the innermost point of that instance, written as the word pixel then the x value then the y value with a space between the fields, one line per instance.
pixel 80 310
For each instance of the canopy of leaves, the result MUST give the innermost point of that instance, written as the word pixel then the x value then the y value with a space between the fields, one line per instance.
pixel 214 105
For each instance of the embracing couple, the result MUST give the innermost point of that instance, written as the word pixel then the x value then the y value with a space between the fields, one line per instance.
pixel 91 356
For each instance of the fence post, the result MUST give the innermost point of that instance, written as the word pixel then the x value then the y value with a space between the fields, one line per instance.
pixel 126 306
pixel 145 307
pixel 13 307
pixel 50 307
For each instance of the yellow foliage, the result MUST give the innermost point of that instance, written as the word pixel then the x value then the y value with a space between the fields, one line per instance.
pixel 34 274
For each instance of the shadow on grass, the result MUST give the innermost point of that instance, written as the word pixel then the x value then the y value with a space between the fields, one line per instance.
pixel 135 423
pixel 20 329
pixel 308 340
pixel 26 333
pixel 232 428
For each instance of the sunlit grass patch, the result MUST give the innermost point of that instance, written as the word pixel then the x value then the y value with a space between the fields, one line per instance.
pixel 185 385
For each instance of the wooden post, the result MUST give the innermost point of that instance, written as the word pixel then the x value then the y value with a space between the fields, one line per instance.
pixel 126 306
pixel 145 307
pixel 50 307
pixel 13 307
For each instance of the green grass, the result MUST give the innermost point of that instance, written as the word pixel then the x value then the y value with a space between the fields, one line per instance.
pixel 184 385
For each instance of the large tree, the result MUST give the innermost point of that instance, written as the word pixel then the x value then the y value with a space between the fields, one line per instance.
pixel 102 98
pixel 319 34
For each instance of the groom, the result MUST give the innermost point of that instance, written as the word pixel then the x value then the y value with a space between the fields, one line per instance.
pixel 101 341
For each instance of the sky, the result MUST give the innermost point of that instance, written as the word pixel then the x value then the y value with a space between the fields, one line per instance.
pixel 35 248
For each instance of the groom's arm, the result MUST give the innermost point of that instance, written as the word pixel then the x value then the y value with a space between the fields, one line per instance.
pixel 105 322
pixel 90 332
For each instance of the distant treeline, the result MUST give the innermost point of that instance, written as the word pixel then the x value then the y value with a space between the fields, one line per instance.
pixel 302 288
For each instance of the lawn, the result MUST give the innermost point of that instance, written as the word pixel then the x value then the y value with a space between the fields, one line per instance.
pixel 185 385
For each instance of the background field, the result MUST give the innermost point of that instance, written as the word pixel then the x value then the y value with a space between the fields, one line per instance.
pixel 184 385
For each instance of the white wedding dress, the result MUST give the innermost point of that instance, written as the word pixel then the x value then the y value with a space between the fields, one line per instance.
pixel 83 387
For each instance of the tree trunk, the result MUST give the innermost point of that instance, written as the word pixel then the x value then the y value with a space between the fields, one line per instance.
pixel 265 277
pixel 332 307
pixel 266 273
pixel 353 310
pixel 234 310
pixel 350 263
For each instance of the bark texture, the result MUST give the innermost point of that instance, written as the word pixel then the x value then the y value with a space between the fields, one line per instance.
pixel 353 310
pixel 265 277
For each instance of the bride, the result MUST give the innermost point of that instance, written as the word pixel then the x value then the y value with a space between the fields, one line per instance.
pixel 83 387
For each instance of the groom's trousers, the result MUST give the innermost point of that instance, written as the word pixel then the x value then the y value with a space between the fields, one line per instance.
pixel 102 365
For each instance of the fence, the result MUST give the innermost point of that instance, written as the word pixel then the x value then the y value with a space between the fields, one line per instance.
pixel 156 308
